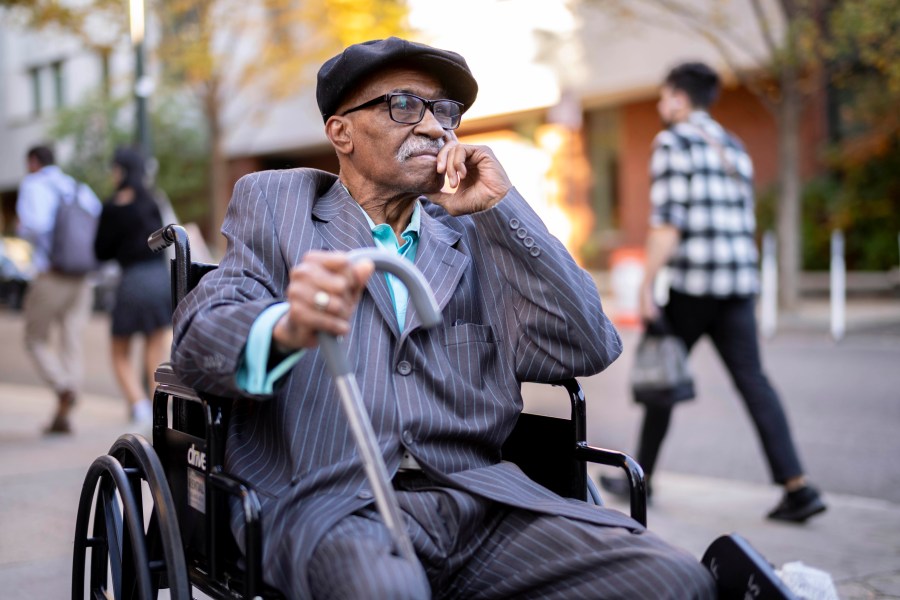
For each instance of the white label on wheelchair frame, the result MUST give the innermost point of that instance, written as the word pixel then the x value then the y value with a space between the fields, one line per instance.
pixel 196 490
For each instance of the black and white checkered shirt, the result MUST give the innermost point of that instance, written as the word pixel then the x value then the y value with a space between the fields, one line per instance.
pixel 702 184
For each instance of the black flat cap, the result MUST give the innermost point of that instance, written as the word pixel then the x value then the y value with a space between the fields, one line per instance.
pixel 340 74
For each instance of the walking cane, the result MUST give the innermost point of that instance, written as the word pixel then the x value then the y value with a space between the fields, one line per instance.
pixel 336 359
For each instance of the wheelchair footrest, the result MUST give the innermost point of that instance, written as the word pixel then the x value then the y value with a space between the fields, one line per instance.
pixel 741 571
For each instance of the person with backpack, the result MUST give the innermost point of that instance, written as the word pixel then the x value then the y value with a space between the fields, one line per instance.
pixel 57 214
pixel 143 306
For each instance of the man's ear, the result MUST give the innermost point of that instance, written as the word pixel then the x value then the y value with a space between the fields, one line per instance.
pixel 682 100
pixel 338 131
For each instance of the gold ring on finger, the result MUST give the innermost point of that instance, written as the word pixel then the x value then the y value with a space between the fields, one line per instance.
pixel 321 299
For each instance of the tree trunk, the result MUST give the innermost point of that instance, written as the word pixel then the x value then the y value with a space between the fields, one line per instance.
pixel 218 171
pixel 789 200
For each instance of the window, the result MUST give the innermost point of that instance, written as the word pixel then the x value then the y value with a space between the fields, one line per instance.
pixel 43 78
pixel 36 104
pixel 59 84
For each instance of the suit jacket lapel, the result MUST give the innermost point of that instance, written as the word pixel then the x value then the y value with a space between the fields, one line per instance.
pixel 440 263
pixel 343 227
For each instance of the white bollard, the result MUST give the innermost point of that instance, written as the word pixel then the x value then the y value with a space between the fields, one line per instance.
pixel 838 286
pixel 768 293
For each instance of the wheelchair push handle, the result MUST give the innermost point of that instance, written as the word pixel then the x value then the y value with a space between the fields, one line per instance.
pixel 161 239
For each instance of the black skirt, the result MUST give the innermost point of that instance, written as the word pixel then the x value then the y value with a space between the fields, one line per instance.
pixel 143 299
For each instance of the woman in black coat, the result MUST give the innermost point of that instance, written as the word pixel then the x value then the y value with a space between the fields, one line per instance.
pixel 143 306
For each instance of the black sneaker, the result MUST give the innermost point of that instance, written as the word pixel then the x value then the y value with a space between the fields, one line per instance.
pixel 799 505
pixel 620 488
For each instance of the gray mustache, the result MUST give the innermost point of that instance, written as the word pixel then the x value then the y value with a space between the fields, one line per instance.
pixel 417 144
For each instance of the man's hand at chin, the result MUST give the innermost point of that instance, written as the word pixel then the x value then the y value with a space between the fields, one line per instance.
pixel 476 177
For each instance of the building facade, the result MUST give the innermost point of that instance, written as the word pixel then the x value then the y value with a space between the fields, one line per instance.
pixel 567 101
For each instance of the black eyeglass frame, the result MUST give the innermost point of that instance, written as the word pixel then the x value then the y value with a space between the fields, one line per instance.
pixel 426 105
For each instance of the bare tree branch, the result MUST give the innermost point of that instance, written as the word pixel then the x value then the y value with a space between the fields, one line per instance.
pixel 698 25
pixel 765 27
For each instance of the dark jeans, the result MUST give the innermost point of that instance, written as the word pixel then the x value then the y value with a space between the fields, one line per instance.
pixel 731 324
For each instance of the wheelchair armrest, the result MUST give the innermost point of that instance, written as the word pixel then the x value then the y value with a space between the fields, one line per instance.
pixel 167 382
pixel 633 471
pixel 613 458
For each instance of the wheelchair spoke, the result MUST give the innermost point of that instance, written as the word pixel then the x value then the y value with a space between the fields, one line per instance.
pixel 120 565
pixel 162 540
pixel 99 568
pixel 114 525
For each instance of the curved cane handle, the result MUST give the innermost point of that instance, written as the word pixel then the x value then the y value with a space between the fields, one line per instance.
pixel 420 295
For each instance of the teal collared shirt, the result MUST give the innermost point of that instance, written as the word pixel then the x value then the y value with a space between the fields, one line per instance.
pixel 386 240
pixel 254 375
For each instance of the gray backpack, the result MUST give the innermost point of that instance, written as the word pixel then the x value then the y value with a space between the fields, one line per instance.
pixel 72 243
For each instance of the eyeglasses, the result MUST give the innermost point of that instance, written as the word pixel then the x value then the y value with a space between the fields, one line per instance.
pixel 409 109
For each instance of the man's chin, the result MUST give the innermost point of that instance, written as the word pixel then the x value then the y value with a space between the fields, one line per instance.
pixel 425 181
pixel 435 186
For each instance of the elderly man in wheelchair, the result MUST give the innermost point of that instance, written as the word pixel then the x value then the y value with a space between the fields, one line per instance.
pixel 404 490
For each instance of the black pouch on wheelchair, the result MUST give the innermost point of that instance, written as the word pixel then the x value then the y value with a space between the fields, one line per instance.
pixel 660 374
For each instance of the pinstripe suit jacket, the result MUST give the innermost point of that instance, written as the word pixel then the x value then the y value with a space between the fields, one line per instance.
pixel 515 308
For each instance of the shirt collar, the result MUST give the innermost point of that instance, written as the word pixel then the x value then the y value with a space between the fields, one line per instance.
pixel 384 233
pixel 49 170
pixel 706 124
pixel 699 116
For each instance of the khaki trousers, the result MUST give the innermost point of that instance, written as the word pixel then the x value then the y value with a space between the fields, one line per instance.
pixel 62 301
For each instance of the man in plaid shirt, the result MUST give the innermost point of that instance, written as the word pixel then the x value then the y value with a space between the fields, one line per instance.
pixel 702 227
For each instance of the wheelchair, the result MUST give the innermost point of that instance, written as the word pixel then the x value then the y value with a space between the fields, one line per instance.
pixel 157 517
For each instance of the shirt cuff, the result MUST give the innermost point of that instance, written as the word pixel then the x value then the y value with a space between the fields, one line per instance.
pixel 253 375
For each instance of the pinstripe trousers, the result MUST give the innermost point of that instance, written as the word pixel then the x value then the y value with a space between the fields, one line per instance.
pixel 470 547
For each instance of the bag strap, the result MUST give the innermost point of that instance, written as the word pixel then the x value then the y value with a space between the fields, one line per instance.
pixel 75 191
pixel 61 195
pixel 728 165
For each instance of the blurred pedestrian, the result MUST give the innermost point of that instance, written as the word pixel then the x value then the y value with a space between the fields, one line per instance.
pixel 702 226
pixel 143 305
pixel 53 299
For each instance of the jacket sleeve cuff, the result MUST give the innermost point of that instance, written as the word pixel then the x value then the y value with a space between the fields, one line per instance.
pixel 254 375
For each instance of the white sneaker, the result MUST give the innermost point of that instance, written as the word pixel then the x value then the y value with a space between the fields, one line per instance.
pixel 142 412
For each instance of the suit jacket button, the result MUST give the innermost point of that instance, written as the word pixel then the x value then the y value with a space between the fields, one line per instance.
pixel 364 495
pixel 521 232
pixel 513 223
pixel 404 368
pixel 528 242
pixel 535 251
pixel 408 438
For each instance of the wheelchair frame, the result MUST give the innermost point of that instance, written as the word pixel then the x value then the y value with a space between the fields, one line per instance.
pixel 188 540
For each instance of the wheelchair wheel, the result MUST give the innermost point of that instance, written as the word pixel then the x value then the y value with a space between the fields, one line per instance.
pixel 134 552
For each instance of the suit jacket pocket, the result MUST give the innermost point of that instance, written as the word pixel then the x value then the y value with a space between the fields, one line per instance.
pixel 467 333
pixel 471 351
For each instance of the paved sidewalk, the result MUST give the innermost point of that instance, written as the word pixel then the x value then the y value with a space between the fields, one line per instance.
pixel 40 483
pixel 857 541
